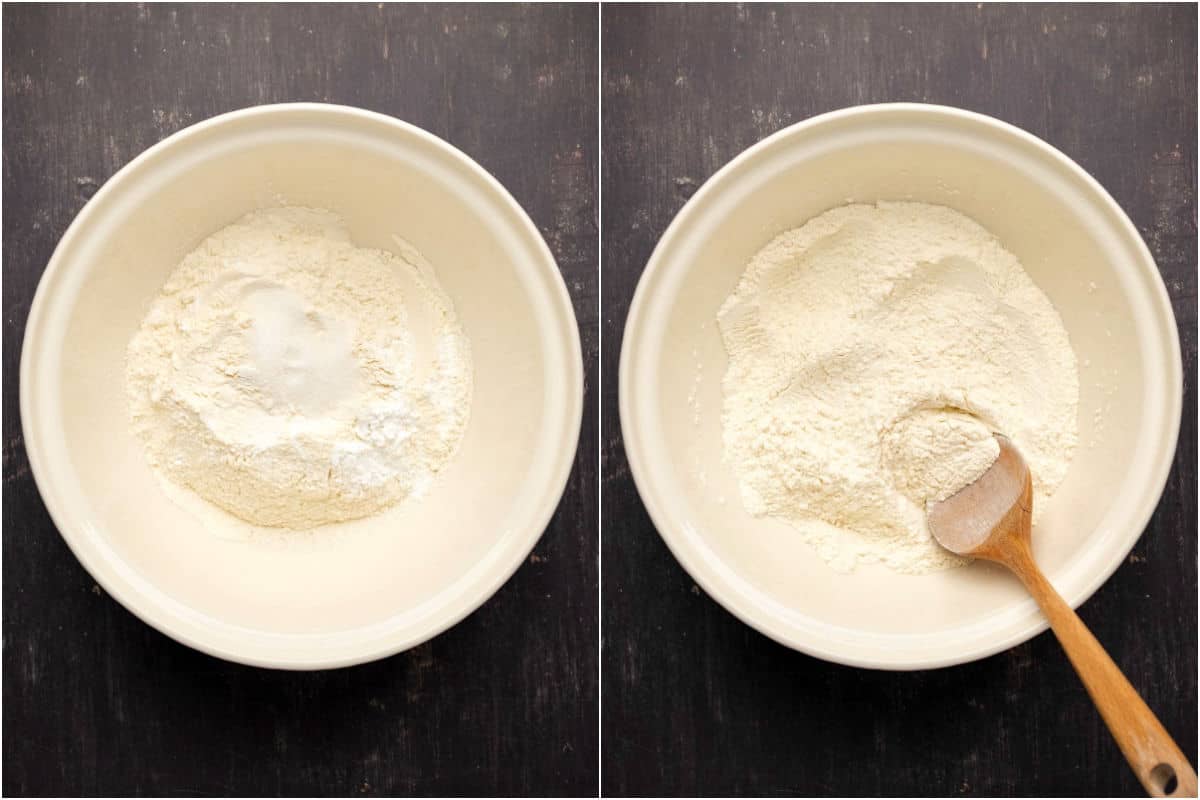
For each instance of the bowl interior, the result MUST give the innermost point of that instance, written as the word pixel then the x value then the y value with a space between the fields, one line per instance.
pixel 1077 247
pixel 342 592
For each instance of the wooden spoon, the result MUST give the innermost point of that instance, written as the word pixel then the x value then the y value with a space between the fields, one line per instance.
pixel 990 519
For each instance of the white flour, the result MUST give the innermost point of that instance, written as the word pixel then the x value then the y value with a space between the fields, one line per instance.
pixel 295 380
pixel 871 353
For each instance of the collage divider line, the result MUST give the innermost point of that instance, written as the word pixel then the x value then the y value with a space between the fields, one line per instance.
pixel 599 398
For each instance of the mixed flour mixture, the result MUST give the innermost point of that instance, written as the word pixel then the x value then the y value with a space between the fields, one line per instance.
pixel 872 352
pixel 294 379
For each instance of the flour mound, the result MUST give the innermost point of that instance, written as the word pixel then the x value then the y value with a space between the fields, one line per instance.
pixel 296 380
pixel 872 352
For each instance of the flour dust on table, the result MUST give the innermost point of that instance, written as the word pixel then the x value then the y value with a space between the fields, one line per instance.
pixel 872 353
pixel 296 380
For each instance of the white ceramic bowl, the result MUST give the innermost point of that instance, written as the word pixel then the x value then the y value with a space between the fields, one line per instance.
pixel 1078 246
pixel 355 592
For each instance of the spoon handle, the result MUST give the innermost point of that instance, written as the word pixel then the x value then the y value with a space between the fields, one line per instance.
pixel 1147 746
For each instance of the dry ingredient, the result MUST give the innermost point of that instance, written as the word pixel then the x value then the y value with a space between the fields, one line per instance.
pixel 294 379
pixel 872 352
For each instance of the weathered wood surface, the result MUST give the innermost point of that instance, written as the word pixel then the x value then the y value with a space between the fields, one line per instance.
pixel 694 701
pixel 95 702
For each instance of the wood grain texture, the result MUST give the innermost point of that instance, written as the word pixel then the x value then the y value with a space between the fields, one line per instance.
pixel 97 703
pixel 695 702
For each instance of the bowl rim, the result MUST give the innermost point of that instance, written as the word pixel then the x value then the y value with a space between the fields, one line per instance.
pixel 640 466
pixel 378 644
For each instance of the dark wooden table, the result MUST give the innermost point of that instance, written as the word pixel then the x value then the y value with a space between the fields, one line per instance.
pixel 96 702
pixel 695 702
